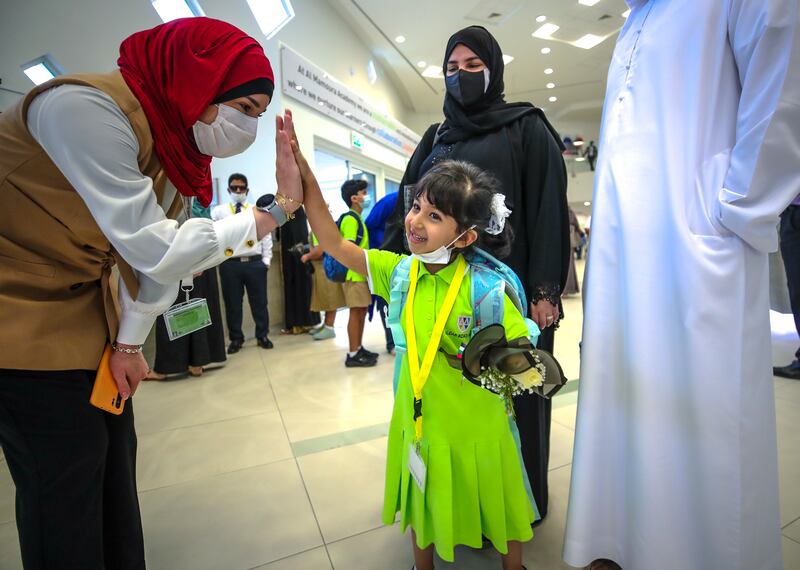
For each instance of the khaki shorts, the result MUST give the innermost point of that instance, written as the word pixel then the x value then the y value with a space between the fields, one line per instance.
pixel 326 295
pixel 356 294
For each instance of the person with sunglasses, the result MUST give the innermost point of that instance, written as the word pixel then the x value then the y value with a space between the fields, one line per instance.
pixel 247 270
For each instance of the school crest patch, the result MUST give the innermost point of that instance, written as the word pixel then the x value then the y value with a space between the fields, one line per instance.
pixel 464 321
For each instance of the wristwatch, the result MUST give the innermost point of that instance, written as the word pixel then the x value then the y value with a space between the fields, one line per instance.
pixel 268 204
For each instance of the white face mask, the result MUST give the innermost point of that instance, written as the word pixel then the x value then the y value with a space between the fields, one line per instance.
pixel 440 255
pixel 238 198
pixel 229 134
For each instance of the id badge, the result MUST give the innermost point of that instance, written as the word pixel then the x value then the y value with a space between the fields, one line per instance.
pixel 416 465
pixel 186 318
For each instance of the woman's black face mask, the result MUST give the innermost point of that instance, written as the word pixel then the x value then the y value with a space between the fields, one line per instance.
pixel 467 87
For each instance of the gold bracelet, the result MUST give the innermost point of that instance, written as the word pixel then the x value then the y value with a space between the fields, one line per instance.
pixel 281 200
pixel 289 198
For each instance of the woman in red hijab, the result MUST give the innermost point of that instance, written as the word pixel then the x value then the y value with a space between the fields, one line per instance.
pixel 91 168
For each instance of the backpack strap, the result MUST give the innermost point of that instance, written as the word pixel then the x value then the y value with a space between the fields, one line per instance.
pixel 398 293
pixel 359 221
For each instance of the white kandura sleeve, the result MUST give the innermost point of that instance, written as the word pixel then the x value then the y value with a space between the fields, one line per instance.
pixel 764 173
pixel 92 142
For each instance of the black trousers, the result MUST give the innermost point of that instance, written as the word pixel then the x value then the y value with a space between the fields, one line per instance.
pixel 74 468
pixel 790 251
pixel 235 276
pixel 533 421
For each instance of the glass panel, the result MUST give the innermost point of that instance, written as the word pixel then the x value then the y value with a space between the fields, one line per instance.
pixel 358 174
pixel 331 172
pixel 391 186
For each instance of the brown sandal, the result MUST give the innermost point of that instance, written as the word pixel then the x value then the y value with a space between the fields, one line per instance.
pixel 153 375
pixel 196 371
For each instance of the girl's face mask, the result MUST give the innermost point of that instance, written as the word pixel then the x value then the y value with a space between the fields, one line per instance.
pixel 441 255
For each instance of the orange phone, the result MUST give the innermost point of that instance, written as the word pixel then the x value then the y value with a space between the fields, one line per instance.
pixel 105 394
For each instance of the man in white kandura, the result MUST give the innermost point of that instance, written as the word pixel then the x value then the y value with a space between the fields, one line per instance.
pixel 675 463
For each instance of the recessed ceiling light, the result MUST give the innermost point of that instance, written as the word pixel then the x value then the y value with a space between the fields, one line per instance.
pixel 548 71
pixel 626 13
pixel 545 51
pixel 400 39
pixel 587 203
pixel 588 41
pixel 588 2
pixel 42 69
pixel 580 159
pixel 271 15
pixel 541 19
pixel 507 58
pixel 551 85
pixel 422 63
pixel 433 71
pixel 578 142
pixel 553 99
pixel 169 10
pixel 545 31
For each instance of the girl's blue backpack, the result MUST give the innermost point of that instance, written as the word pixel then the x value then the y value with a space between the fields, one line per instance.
pixel 334 270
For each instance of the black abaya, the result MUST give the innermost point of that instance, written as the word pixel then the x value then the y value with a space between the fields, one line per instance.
pixel 296 278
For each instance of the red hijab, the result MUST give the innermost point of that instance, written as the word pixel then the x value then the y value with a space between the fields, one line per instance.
pixel 176 70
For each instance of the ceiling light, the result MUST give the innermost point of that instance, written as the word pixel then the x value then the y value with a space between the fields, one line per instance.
pixel 545 51
pixel 169 10
pixel 545 31
pixel 588 2
pixel 271 15
pixel 541 19
pixel 433 71
pixel 551 85
pixel 626 13
pixel 507 58
pixel 587 203
pixel 578 142
pixel 588 41
pixel 580 159
pixel 400 39
pixel 422 63
pixel 553 99
pixel 42 69
pixel 548 71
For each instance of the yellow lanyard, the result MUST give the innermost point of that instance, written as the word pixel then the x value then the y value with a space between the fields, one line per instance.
pixel 419 375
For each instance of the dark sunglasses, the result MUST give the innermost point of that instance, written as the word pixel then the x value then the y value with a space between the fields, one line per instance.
pixel 238 189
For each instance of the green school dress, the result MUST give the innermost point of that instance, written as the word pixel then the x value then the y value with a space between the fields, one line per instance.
pixel 474 478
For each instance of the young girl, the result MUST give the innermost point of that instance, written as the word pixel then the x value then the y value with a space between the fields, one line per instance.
pixel 453 469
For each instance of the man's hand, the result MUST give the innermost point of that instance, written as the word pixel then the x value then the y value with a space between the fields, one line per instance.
pixel 544 314
pixel 128 371
pixel 287 172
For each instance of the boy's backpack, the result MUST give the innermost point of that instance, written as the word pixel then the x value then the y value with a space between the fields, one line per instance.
pixel 334 270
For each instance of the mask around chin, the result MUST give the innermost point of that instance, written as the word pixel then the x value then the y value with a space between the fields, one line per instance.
pixel 440 255
pixel 231 133
pixel 467 87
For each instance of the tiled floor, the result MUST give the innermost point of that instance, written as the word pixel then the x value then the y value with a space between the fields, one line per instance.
pixel 276 462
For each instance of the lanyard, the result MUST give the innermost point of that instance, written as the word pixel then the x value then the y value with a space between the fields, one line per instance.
pixel 419 375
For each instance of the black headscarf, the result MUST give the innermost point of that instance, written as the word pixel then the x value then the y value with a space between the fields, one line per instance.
pixel 491 112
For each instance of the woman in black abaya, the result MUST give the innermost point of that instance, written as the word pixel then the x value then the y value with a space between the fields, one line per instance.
pixel 516 143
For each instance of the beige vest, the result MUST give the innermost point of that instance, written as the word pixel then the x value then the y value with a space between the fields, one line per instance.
pixel 56 305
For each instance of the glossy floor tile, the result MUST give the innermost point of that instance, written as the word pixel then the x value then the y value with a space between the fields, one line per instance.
pixel 276 461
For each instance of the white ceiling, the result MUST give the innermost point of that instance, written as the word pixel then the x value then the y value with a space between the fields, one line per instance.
pixel 579 74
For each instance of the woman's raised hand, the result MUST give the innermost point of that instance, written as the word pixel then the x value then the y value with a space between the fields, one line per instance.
pixel 302 163
pixel 287 172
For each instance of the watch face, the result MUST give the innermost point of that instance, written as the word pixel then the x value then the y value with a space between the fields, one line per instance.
pixel 265 201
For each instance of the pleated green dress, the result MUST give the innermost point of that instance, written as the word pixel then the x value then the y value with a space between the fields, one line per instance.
pixel 474 482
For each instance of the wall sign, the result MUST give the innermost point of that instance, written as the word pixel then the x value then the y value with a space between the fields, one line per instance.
pixel 305 82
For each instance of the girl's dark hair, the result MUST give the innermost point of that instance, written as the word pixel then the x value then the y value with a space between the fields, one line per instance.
pixel 464 192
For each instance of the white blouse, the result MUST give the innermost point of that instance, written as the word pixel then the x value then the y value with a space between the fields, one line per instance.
pixel 91 141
